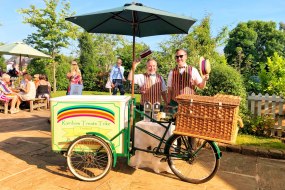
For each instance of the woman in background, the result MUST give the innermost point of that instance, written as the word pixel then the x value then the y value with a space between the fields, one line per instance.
pixel 36 79
pixel 27 93
pixel 7 93
pixel 43 88
pixel 74 76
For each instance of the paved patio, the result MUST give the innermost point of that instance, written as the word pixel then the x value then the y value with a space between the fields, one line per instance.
pixel 27 162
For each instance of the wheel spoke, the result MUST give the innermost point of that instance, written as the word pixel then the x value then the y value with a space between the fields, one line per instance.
pixel 192 159
pixel 89 158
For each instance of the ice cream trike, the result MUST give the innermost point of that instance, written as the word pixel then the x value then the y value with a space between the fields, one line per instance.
pixel 93 131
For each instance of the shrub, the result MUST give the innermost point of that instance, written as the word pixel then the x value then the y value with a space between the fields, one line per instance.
pixel 63 68
pixel 100 80
pixel 257 125
pixel 272 75
pixel 2 64
pixel 45 66
pixel 253 84
pixel 226 80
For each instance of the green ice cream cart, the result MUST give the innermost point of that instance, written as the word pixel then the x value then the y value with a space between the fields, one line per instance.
pixel 92 131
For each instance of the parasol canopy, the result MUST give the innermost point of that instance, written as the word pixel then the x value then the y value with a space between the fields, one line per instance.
pixel 133 19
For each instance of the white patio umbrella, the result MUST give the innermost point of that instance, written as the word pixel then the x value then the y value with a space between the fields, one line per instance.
pixel 21 49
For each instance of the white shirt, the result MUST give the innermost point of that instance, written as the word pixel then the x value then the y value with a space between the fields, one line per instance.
pixel 117 73
pixel 139 79
pixel 195 76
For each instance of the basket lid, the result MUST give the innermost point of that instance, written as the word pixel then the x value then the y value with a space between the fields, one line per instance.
pixel 220 98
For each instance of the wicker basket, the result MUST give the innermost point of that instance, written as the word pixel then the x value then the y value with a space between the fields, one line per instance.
pixel 212 118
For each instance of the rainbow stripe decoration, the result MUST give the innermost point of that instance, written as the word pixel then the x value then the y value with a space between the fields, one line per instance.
pixel 85 111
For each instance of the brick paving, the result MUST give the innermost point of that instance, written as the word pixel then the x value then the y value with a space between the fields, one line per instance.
pixel 27 162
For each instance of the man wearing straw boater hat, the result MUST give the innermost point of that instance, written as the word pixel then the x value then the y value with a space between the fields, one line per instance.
pixel 152 85
pixel 184 78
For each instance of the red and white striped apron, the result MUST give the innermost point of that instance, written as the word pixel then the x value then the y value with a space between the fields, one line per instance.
pixel 152 91
pixel 182 83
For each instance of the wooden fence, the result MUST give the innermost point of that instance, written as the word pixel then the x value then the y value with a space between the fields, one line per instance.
pixel 268 105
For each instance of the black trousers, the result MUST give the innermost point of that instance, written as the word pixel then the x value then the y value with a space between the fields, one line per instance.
pixel 118 85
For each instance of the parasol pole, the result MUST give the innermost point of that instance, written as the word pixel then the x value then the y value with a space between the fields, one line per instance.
pixel 20 63
pixel 134 25
pixel 133 69
pixel 20 69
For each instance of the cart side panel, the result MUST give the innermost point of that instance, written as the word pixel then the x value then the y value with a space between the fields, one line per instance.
pixel 72 119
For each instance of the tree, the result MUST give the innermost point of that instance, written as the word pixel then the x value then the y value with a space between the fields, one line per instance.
pixel 97 54
pixel 2 60
pixel 166 57
pixel 106 46
pixel 87 59
pixel 272 75
pixel 53 32
pixel 125 53
pixel 250 43
pixel 62 69
pixel 282 26
pixel 2 64
pixel 224 79
pixel 39 66
pixel 198 42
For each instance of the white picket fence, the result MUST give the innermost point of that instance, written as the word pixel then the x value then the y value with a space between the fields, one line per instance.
pixel 268 105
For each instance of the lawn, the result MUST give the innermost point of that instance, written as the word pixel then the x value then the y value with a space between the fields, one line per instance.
pixel 262 142
pixel 246 140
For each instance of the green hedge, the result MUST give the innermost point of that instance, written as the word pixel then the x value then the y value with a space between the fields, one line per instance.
pixel 224 79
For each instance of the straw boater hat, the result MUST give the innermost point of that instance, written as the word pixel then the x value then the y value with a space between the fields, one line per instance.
pixel 204 65
pixel 145 53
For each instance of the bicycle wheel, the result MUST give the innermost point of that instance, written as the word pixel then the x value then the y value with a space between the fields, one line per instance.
pixel 192 159
pixel 89 158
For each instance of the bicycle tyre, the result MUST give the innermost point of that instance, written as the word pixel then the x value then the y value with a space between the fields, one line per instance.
pixel 192 163
pixel 89 158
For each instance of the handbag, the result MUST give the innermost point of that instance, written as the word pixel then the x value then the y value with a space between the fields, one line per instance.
pixel 108 84
pixel 76 89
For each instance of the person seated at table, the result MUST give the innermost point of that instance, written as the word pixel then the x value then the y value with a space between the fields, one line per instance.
pixel 23 82
pixel 36 79
pixel 3 97
pixel 14 72
pixel 43 88
pixel 8 92
pixel 152 85
pixel 27 93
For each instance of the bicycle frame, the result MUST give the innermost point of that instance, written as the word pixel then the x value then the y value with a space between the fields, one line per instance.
pixel 160 139
pixel 183 153
pixel 163 141
pixel 128 133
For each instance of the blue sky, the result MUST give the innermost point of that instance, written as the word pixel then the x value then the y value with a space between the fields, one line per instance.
pixel 223 13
